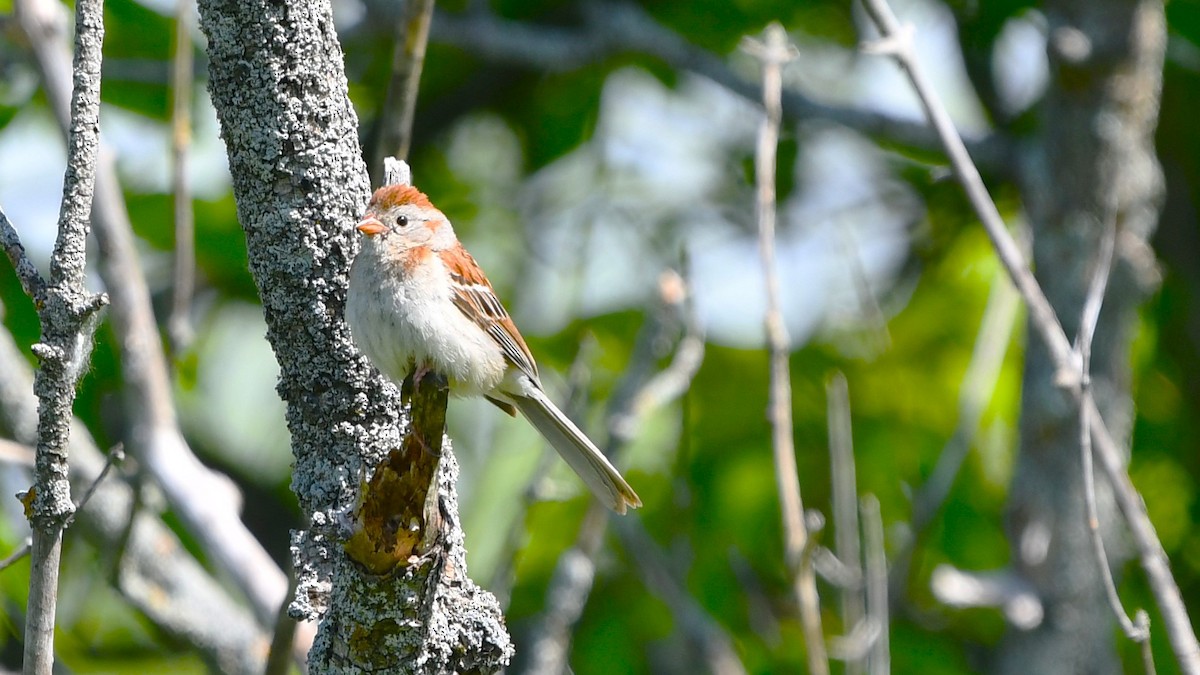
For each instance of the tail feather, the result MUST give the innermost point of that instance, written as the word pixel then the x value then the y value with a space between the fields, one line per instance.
pixel 578 450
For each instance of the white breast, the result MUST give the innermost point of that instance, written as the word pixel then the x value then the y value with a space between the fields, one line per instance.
pixel 402 320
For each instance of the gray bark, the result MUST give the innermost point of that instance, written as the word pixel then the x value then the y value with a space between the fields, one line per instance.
pixel 206 502
pixel 279 88
pixel 1091 165
pixel 67 313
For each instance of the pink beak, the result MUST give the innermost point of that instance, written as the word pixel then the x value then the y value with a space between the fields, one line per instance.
pixel 372 227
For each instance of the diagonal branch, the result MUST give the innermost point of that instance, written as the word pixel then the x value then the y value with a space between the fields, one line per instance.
pixel 31 280
pixel 408 59
pixel 638 393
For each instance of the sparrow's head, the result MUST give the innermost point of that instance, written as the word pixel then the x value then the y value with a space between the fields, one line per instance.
pixel 401 217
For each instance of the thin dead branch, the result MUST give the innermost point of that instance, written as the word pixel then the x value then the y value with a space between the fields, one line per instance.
pixel 774 52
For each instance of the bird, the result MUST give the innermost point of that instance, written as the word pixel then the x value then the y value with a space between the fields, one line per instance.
pixel 417 302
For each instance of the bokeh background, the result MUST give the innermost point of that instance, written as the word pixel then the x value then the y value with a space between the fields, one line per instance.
pixel 579 172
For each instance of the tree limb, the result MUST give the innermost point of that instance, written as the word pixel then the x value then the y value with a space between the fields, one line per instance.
pixel 207 503
pixel 277 81
pixel 68 316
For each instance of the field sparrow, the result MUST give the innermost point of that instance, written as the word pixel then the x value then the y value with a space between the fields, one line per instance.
pixel 417 299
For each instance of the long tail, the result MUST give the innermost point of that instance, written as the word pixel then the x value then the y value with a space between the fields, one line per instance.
pixel 578 450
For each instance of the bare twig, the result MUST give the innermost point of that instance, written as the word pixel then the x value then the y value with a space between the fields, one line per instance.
pixel 897 42
pixel 844 495
pixel 115 456
pixel 1087 330
pixel 1150 551
pixel 408 58
pixel 179 324
pixel 17 555
pixel 774 53
pixel 877 585
pixel 835 572
pixel 979 381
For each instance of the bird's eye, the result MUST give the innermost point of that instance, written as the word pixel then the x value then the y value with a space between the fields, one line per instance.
pixel 401 221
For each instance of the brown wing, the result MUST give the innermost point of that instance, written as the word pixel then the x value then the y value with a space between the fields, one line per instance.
pixel 474 297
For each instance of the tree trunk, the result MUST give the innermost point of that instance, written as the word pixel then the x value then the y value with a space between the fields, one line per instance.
pixel 1091 166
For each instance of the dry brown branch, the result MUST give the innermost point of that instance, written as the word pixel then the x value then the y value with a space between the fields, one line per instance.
pixel 774 52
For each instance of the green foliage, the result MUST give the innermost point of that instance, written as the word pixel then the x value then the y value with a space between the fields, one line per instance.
pixel 137 49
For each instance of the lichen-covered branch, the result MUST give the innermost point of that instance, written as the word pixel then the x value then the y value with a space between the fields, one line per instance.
pixel 206 502
pixel 278 85
pixel 68 317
